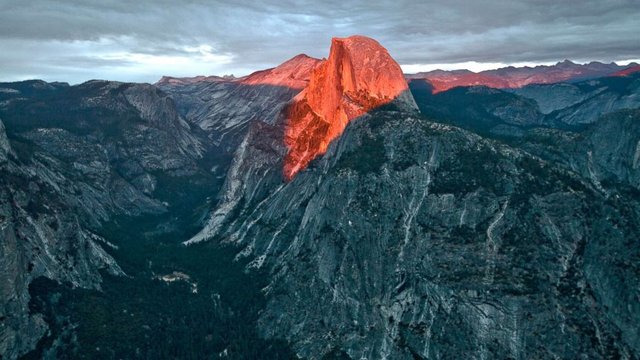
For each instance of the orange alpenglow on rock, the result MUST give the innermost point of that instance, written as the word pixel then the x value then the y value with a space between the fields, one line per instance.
pixel 358 76
pixel 628 71
pixel 293 73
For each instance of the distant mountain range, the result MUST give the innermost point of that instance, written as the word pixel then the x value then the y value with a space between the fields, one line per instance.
pixel 503 78
pixel 517 77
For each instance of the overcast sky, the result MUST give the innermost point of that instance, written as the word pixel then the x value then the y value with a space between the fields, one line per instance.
pixel 78 40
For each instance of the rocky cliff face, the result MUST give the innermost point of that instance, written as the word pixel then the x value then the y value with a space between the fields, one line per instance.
pixel 72 159
pixel 5 147
pixel 412 239
pixel 600 96
pixel 226 107
pixel 606 153
pixel 584 102
pixel 39 236
pixel 358 76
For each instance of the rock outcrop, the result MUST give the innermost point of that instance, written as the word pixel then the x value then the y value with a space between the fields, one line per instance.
pixel 358 76
pixel 39 236
pixel 225 108
pixel 294 74
pixel 5 147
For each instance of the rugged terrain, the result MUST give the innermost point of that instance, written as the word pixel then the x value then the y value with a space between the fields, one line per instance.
pixel 443 244
pixel 224 108
pixel 73 158
pixel 411 239
pixel 323 209
pixel 358 76
pixel 508 112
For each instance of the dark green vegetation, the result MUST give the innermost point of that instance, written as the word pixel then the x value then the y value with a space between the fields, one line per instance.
pixel 369 160
pixel 142 316
pixel 155 192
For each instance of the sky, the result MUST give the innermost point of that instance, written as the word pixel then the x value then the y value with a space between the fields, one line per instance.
pixel 79 40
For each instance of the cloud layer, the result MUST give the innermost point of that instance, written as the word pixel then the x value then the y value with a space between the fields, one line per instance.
pixel 78 40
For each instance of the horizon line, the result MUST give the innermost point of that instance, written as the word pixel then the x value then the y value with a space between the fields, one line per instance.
pixel 407 69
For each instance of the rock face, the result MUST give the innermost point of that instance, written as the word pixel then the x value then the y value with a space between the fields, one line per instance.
pixel 226 107
pixel 411 239
pixel 5 147
pixel 71 160
pixel 358 76
pixel 294 74
pixel 584 102
pixel 601 96
pixel 39 236
pixel 606 153
pixel 361 250
pixel 281 146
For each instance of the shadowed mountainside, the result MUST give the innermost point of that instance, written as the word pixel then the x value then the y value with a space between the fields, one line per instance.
pixel 509 112
pixel 413 239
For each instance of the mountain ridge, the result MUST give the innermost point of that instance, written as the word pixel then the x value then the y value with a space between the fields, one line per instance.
pixel 511 77
pixel 508 77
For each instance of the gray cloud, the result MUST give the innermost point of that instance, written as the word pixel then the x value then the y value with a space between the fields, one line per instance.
pixel 76 40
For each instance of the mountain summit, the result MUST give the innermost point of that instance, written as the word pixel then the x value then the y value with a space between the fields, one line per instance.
pixel 358 76
pixel 293 73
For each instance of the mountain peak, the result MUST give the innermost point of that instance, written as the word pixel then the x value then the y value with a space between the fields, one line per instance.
pixel 566 62
pixel 358 76
pixel 357 42
pixel 170 80
pixel 293 73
